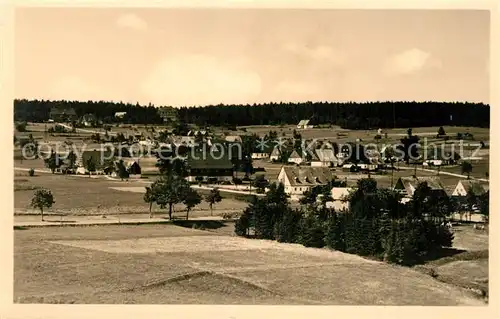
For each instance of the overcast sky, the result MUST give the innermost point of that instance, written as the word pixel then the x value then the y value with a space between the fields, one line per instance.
pixel 185 57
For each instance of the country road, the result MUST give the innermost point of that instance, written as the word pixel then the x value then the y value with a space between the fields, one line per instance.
pixel 445 173
pixel 85 130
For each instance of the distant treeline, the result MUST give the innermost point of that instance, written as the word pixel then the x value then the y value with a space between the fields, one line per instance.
pixel 349 115
pixel 39 110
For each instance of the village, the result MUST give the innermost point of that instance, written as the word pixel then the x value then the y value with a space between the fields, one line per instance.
pixel 103 174
pixel 282 156
pixel 240 158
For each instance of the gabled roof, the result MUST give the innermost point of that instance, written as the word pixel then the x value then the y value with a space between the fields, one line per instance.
pixel 325 155
pixel 264 148
pixel 276 151
pixel 233 138
pixel 88 117
pixel 295 154
pixel 214 159
pixel 475 187
pixel 304 122
pixel 183 140
pixel 97 156
pixel 308 176
pixel 408 183
pixel 62 111
pixel 340 193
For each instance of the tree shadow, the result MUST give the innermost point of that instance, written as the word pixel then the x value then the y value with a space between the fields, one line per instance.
pixel 199 224
pixel 439 254
pixel 59 221
pixel 20 228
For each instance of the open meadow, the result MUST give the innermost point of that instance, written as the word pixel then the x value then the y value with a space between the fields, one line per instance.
pixel 81 195
pixel 168 264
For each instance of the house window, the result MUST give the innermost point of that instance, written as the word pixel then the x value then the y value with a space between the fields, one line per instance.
pixel 295 189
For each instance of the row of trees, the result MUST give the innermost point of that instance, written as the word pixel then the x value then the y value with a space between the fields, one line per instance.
pixel 172 189
pixel 349 115
pixel 377 225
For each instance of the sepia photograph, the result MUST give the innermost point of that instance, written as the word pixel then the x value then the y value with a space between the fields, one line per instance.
pixel 251 156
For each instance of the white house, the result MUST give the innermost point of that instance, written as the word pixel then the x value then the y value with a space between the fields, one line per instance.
pixel 81 171
pixel 184 140
pixel 339 198
pixel 304 124
pixel 367 167
pixel 146 143
pixel 324 158
pixel 297 180
pixel 433 162
pixel 465 187
pixel 88 120
pixel 295 158
pixel 275 154
pixel 120 115
pixel 233 139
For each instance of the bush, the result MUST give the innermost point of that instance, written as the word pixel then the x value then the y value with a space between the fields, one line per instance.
pixel 241 225
pixel 31 172
pixel 21 127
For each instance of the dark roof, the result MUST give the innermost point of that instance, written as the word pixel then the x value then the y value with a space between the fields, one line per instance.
pixel 208 159
pixel 97 156
pixel 62 111
pixel 474 187
pixel 308 176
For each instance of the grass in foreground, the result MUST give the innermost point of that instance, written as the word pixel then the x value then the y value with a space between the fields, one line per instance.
pixel 53 273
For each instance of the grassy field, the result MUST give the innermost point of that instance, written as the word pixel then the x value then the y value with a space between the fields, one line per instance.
pixel 468 269
pixel 76 195
pixel 167 264
pixel 342 135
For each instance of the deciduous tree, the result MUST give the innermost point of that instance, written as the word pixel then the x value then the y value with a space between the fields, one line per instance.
pixel 212 198
pixel 42 198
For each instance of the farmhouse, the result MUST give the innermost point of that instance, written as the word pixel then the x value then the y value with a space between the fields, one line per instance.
pixel 275 154
pixel 88 120
pixel 96 157
pixel 262 152
pixel 120 115
pixel 466 187
pixel 213 166
pixel 295 158
pixel 131 166
pixel 407 186
pixel 148 165
pixel 438 157
pixel 168 114
pixel 304 124
pixel 367 167
pixel 339 199
pixel 233 139
pixel 297 180
pixel 197 133
pixel 324 158
pixel 184 140
pixel 58 114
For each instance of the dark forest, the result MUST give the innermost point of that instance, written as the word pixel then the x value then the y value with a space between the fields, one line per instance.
pixel 350 115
